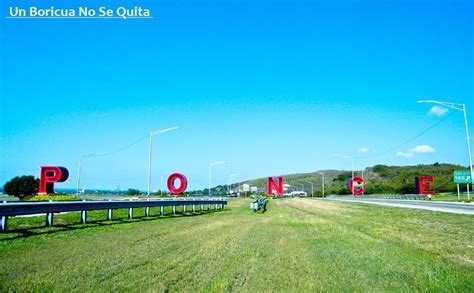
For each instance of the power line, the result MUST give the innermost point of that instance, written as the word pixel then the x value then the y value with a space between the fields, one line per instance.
pixel 409 140
pixel 122 148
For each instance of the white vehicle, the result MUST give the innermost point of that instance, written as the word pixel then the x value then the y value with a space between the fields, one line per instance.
pixel 298 193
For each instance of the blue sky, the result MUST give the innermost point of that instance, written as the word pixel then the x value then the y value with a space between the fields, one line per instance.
pixel 270 87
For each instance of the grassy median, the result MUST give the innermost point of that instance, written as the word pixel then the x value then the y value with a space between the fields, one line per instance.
pixel 298 245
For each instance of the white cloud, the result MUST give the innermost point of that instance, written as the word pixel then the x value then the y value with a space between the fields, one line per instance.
pixel 437 111
pixel 405 154
pixel 423 149
pixel 363 150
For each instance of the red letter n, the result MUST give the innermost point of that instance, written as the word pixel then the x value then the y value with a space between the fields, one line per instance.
pixel 272 185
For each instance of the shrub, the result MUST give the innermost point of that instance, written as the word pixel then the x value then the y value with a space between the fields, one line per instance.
pixel 21 186
pixel 133 191
pixel 54 197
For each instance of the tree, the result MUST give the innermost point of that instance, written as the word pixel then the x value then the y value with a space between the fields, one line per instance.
pixel 133 191
pixel 21 186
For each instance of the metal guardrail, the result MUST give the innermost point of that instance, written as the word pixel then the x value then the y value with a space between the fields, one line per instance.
pixel 394 196
pixel 383 196
pixel 52 207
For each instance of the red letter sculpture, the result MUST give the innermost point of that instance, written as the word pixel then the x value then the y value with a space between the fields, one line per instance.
pixel 272 185
pixel 423 185
pixel 49 175
pixel 358 184
pixel 183 183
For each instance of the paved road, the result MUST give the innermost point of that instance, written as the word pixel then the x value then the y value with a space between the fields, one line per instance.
pixel 439 206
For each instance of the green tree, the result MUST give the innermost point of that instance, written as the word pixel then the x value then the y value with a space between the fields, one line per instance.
pixel 21 186
pixel 133 191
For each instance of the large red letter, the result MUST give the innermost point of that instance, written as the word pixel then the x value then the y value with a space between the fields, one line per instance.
pixel 423 185
pixel 183 183
pixel 272 185
pixel 49 175
pixel 358 184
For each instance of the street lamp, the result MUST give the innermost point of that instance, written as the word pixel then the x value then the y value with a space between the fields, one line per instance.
pixel 230 181
pixel 312 187
pixel 459 107
pixel 154 133
pixel 161 186
pixel 322 181
pixel 210 172
pixel 79 169
pixel 352 159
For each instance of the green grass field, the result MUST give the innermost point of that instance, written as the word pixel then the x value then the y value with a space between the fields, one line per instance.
pixel 453 197
pixel 298 245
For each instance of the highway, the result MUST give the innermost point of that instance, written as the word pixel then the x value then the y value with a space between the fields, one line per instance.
pixel 438 206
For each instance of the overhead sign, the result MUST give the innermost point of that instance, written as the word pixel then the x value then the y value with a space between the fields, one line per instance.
pixel 462 176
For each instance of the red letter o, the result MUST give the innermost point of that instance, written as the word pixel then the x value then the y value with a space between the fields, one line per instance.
pixel 183 183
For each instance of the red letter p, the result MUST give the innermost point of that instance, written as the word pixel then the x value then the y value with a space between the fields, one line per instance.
pixel 49 175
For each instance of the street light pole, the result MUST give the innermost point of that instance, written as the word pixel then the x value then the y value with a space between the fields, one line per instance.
pixel 79 170
pixel 312 187
pixel 322 182
pixel 210 173
pixel 79 174
pixel 161 186
pixel 459 107
pixel 352 160
pixel 230 181
pixel 150 146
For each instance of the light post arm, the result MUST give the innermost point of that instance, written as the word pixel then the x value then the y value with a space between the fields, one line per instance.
pixel 150 146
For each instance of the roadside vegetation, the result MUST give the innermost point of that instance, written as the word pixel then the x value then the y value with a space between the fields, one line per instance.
pixel 379 179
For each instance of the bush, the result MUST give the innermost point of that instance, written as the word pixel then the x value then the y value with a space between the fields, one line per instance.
pixel 133 191
pixel 21 186
pixel 54 197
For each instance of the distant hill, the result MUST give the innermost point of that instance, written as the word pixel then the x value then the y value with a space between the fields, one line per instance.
pixel 379 179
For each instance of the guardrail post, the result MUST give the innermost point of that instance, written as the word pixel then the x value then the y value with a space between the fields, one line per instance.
pixel 209 207
pixel 83 216
pixel 162 210
pixel 49 218
pixel 3 221
pixel 194 209
pixel 215 207
pixel 202 207
pixel 109 213
pixel 184 208
pixel 147 209
pixel 130 212
pixel 174 210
